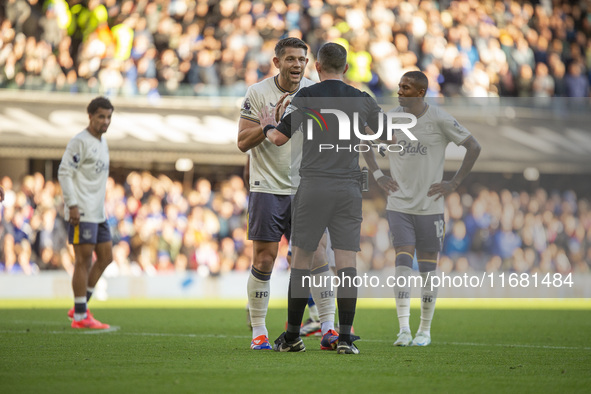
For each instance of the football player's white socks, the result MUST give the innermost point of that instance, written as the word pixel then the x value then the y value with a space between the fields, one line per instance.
pixel 324 298
pixel 327 326
pixel 79 308
pixel 89 291
pixel 402 296
pixel 428 298
pixel 313 312
pixel 258 300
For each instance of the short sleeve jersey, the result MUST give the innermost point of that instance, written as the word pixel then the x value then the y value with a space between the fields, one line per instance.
pixel 83 174
pixel 273 169
pixel 420 164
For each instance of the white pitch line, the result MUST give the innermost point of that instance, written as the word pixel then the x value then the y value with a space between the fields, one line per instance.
pixel 163 334
pixel 516 345
pixel 106 330
pixel 40 322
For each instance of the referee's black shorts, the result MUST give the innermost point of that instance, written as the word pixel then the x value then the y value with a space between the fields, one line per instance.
pixel 331 203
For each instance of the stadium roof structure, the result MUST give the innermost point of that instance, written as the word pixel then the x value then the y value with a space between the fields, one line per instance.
pixel 552 135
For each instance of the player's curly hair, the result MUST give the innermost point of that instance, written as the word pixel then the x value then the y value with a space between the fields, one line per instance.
pixel 290 42
pixel 99 102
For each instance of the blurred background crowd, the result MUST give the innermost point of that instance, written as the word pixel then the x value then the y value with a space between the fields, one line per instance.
pixel 185 47
pixel 154 48
pixel 159 227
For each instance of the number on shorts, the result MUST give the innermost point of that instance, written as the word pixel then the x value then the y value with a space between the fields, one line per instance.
pixel 439 228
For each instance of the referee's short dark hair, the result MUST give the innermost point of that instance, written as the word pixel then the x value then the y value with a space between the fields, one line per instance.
pixel 99 102
pixel 332 57
pixel 290 42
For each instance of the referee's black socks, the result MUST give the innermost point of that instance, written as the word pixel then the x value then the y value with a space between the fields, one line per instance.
pixel 297 299
pixel 347 302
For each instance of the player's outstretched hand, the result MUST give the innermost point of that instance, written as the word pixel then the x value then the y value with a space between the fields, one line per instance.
pixel 267 117
pixel 388 184
pixel 281 107
pixel 441 189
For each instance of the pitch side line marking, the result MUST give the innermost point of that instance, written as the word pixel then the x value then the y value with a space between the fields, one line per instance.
pixel 47 323
pixel 516 345
pixel 159 334
pixel 106 330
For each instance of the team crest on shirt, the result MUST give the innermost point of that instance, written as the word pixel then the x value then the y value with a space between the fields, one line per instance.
pixel 246 106
pixel 76 158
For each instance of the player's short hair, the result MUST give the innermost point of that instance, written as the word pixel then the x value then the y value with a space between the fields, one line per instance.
pixel 332 57
pixel 99 102
pixel 419 78
pixel 290 42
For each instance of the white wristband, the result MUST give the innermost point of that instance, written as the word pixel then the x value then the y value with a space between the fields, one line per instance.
pixel 377 174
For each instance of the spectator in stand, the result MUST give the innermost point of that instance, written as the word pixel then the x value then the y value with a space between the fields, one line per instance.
pixel 543 84
pixel 220 47
pixel 576 83
pixel 538 224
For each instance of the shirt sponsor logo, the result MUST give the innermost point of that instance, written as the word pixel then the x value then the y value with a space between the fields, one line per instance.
pixel 412 149
pixel 101 166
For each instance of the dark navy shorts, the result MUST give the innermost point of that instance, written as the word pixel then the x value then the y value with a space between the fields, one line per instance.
pixel 425 232
pixel 269 217
pixel 331 203
pixel 89 233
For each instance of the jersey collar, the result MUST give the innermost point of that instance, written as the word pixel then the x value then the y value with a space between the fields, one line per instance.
pixel 276 79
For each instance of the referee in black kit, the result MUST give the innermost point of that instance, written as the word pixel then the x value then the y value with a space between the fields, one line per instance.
pixel 329 195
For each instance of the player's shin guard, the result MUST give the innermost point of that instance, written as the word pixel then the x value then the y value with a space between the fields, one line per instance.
pixel 323 295
pixel 297 299
pixel 428 295
pixel 402 289
pixel 347 300
pixel 258 288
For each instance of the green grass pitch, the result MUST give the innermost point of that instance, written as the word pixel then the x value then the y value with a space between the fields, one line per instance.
pixel 184 346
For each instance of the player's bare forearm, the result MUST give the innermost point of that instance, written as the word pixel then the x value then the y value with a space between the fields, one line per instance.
pixel 472 152
pixel 250 134
pixel 446 187
pixel 370 158
pixel 277 137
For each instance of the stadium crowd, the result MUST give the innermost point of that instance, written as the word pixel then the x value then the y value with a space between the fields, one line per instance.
pixel 181 47
pixel 158 227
